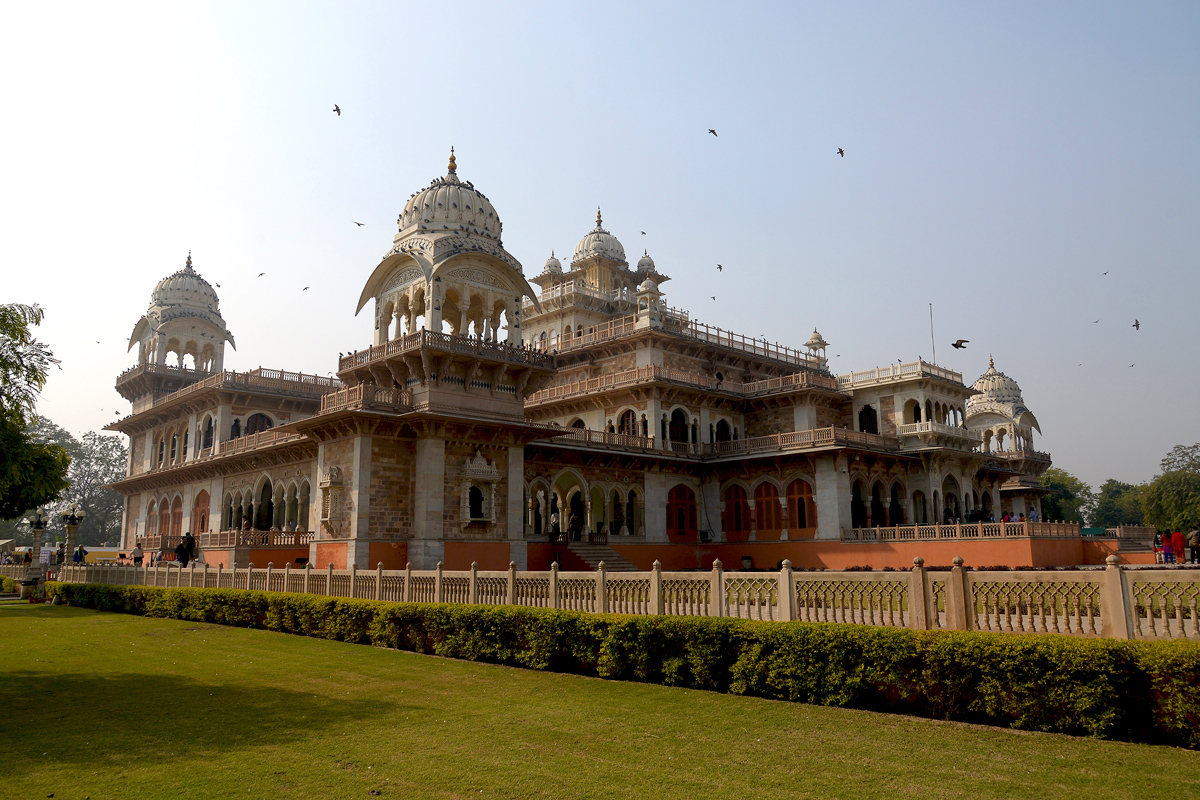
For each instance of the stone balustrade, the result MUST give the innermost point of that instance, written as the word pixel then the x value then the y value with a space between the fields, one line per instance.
pixel 964 530
pixel 802 440
pixel 444 342
pixel 367 396
pixel 240 538
pixel 641 375
pixel 896 372
pixel 1112 602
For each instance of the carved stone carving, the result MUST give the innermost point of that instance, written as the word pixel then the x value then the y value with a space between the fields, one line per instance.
pixel 477 473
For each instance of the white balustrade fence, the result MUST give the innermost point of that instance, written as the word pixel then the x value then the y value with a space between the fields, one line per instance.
pixel 1110 602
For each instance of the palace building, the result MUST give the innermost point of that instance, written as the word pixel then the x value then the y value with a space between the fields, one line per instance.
pixel 586 420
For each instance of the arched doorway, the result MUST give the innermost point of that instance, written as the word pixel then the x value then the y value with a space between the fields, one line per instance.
pixel 858 509
pixel 802 511
pixel 266 508
pixel 632 520
pixel 577 518
pixel 627 423
pixel 677 429
pixel 200 513
pixel 735 519
pixel 257 423
pixel 951 502
pixel 768 514
pixel 878 515
pixel 920 513
pixel 618 528
pixel 868 420
pixel 724 433
pixel 177 516
pixel 681 515
pixel 895 507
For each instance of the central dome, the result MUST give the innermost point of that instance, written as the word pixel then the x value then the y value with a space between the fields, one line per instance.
pixel 995 387
pixel 185 288
pixel 451 205
pixel 599 242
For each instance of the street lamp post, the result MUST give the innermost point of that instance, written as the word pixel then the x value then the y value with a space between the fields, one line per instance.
pixel 37 524
pixel 72 519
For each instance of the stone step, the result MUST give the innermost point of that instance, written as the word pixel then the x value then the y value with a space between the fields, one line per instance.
pixel 593 554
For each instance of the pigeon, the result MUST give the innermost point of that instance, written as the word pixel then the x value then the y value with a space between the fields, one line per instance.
pixel 1105 273
pixel 359 224
pixel 97 341
pixel 1137 326
pixel 1095 321
pixel 305 289
pixel 643 233
pixel 719 268
pixel 961 344
pixel 1133 364
pixel 217 285
pixel 714 297
pixel 841 152
pixel 261 274
pixel 337 109
pixel 710 130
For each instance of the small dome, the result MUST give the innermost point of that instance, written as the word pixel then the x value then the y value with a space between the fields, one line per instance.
pixel 553 265
pixel 994 386
pixel 599 242
pixel 816 342
pixel 185 288
pixel 645 263
pixel 451 205
pixel 648 286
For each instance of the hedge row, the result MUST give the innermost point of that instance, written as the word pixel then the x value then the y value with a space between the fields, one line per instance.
pixel 8 585
pixel 1112 689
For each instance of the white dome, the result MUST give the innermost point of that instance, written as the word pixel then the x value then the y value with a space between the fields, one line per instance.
pixel 996 387
pixel 599 242
pixel 449 204
pixel 645 263
pixel 185 288
pixel 648 286
pixel 553 264
pixel 816 341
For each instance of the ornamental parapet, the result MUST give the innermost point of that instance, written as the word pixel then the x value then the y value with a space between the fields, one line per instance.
pixel 642 375
pixel 447 343
pixel 896 372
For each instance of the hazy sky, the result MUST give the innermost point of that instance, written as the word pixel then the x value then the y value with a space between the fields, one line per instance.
pixel 999 160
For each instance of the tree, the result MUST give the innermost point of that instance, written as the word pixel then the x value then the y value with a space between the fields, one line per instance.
pixel 1172 500
pixel 32 472
pixel 1181 457
pixel 1072 499
pixel 1118 504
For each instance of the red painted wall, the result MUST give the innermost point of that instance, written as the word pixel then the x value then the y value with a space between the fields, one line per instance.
pixel 394 555
pixel 491 556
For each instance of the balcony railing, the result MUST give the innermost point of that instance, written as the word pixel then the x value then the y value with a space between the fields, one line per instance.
pixel 897 372
pixel 647 374
pixel 799 440
pixel 256 538
pixel 368 396
pixel 971 438
pixel 466 345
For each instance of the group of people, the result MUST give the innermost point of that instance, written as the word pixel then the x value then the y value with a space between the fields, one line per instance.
pixel 1172 546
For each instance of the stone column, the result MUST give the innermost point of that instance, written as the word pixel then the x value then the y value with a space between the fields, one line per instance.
pixel 832 496
pixel 783 534
pixel 654 507
pixel 429 502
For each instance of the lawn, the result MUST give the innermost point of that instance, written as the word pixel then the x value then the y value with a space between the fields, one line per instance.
pixel 105 705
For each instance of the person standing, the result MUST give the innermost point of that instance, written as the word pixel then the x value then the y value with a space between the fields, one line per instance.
pixel 137 554
pixel 1193 540
pixel 1178 542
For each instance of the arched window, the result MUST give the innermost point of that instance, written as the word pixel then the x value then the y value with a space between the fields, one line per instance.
pixel 162 451
pixel 208 433
pixel 878 515
pixel 152 519
pixel 677 430
pixel 174 446
pixel 858 509
pixel 177 517
pixel 578 423
pixel 235 430
pixel 164 517
pixel 868 420
pixel 475 502
pixel 802 511
pixel 257 423
pixel 681 515
pixel 736 517
pixel 627 423
pixel 768 513
pixel 200 513
pixel 631 512
pixel 895 509
pixel 265 512
pixel 723 431
pixel 185 444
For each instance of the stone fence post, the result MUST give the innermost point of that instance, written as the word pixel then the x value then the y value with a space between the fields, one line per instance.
pixel 353 576
pixel 287 576
pixel 379 581
pixel 473 584
pixel 220 569
pixel 553 598
pixel 329 580
pixel 267 583
pixel 307 574
pixel 918 596
pixel 511 599
pixel 716 590
pixel 437 584
pixel 656 598
pixel 786 594
pixel 1116 602
pixel 406 594
pixel 601 589
pixel 958 616
pixel 249 574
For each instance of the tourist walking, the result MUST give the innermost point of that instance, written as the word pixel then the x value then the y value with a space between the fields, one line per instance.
pixel 1178 543
pixel 137 554
pixel 181 554
pixel 1168 549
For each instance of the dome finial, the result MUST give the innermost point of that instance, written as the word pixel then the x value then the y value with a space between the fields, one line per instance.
pixel 452 169
pixel 991 363
pixel 188 265
pixel 599 221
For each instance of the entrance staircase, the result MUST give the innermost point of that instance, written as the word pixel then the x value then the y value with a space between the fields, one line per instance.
pixel 593 554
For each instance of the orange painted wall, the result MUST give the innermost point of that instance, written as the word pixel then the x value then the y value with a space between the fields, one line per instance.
pixel 489 555
pixel 542 553
pixel 278 557
pixel 842 555
pixel 394 555
pixel 331 553
pixel 217 557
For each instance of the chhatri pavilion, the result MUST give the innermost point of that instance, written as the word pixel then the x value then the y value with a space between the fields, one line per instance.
pixel 584 420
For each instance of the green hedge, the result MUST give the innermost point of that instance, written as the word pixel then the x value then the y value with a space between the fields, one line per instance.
pixel 8 585
pixel 1099 687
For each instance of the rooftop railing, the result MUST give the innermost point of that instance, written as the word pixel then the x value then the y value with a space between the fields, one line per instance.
pixel 800 440
pixel 966 530
pixel 467 345
pixel 368 396
pixel 897 372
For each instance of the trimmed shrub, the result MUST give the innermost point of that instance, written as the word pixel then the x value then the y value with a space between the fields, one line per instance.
pixel 1140 691
pixel 8 585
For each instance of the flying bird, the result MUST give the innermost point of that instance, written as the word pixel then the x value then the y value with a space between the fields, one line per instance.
pixel 97 341
pixel 719 268
pixel 1106 273
pixel 714 297
pixel 359 224
pixel 261 274
pixel 218 286
pixel 1137 326
pixel 841 152
pixel 1133 364
pixel 337 109
pixel 710 130
pixel 643 233
pixel 1095 321
pixel 305 289
pixel 961 344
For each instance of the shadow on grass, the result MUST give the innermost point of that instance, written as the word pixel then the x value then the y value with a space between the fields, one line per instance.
pixel 111 722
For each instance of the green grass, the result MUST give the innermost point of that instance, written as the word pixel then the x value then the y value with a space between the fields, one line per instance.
pixel 108 705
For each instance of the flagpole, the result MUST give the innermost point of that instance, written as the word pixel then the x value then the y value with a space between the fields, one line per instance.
pixel 932 341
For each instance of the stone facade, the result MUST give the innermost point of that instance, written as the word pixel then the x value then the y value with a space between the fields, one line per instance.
pixel 487 415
